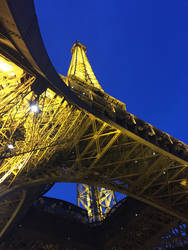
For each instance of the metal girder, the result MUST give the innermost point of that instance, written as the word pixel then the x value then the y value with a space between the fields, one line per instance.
pixel 27 135
pixel 9 209
pixel 97 201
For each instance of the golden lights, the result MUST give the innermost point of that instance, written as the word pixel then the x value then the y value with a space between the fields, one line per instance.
pixel 80 66
pixel 27 139
pixel 5 67
pixel 184 182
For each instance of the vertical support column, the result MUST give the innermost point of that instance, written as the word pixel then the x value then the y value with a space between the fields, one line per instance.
pixel 97 201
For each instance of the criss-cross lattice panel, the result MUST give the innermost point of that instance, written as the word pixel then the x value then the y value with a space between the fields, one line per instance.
pixel 117 160
pixel 97 201
pixel 31 126
pixel 84 198
pixel 80 66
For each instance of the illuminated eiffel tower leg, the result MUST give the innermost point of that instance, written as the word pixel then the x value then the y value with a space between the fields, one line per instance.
pixel 30 125
pixel 16 98
pixel 97 201
pixel 107 200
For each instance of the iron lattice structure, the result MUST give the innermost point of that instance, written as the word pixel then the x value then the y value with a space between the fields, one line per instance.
pixel 97 201
pixel 67 129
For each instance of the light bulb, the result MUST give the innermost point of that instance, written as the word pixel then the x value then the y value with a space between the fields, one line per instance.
pixel 20 166
pixel 10 146
pixel 11 73
pixel 34 108
pixel 5 67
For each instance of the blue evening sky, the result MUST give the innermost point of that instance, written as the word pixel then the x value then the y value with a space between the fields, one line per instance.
pixel 137 49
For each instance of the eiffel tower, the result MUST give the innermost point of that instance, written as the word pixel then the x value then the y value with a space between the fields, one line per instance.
pixel 67 129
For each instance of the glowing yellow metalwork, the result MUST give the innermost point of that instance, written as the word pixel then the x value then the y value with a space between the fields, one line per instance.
pixel 97 201
pixel 84 198
pixel 80 67
pixel 27 131
pixel 184 183
pixel 106 200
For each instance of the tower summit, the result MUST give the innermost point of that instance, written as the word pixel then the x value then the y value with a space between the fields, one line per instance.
pixel 80 66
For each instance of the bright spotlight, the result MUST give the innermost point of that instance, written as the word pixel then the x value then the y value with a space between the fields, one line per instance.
pixel 11 73
pixel 5 67
pixel 20 166
pixel 34 108
pixel 10 146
